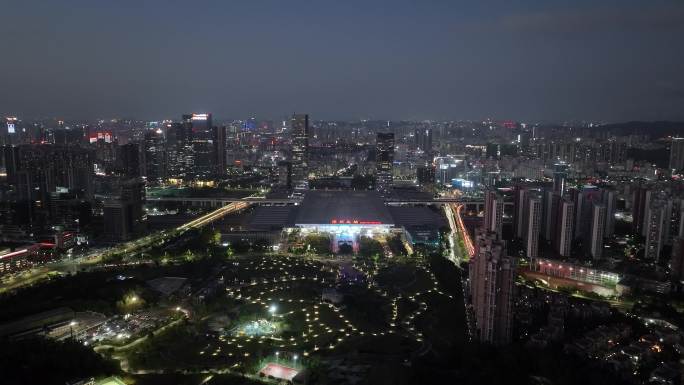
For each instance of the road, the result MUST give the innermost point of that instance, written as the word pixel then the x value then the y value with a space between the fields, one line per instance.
pixel 95 258
pixel 458 231
pixel 214 215
pixel 452 236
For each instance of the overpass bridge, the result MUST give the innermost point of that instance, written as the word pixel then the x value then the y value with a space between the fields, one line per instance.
pixel 221 201
pixel 472 204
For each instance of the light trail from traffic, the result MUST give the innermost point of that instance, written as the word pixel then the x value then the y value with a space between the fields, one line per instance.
pixel 464 232
pixel 98 258
pixel 454 212
pixel 214 215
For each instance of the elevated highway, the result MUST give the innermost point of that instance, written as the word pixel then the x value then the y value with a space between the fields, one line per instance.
pixel 220 201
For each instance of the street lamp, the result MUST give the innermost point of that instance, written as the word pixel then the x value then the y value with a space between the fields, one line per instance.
pixel 272 310
pixel 277 354
pixel 71 328
pixel 295 357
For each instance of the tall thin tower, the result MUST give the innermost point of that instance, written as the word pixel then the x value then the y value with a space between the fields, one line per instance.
pixel 300 151
pixel 384 161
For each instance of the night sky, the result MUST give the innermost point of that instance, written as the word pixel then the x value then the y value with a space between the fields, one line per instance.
pixel 424 59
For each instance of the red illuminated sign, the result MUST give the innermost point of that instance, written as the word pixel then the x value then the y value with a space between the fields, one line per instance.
pixel 101 135
pixel 509 124
pixel 353 222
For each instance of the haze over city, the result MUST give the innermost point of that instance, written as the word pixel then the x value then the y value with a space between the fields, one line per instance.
pixel 404 60
pixel 342 192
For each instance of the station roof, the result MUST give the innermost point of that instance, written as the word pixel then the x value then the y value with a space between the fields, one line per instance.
pixel 330 207
pixel 417 216
pixel 343 207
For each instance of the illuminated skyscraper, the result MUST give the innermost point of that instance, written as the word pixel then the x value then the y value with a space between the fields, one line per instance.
pixel 200 147
pixel 178 149
pixel 300 151
pixel 9 131
pixel 384 161
pixel 155 156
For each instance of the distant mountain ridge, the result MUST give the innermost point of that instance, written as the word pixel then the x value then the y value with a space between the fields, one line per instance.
pixel 653 129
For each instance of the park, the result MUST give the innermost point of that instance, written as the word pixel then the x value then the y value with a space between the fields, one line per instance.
pixel 278 310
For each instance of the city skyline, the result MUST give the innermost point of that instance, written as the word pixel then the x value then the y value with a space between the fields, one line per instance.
pixel 326 193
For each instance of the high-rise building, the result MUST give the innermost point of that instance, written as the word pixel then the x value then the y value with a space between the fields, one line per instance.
pixel 155 156
pixel 10 131
pixel 597 229
pixel 523 140
pixel 494 206
pixel 549 215
pixel 220 150
pixel 654 229
pixel 124 216
pixel 425 175
pixel 560 176
pixel 300 151
pixel 677 154
pixel 423 138
pixel 584 198
pixel 10 160
pixel 128 159
pixel 493 151
pixel 674 219
pixel 285 174
pixel 447 168
pixel 564 226
pixel 532 225
pixel 677 260
pixel 610 200
pixel 69 210
pixel 520 197
pixel 202 149
pixel 38 170
pixel 492 274
pixel 384 162
pixel 178 150
pixel 641 201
